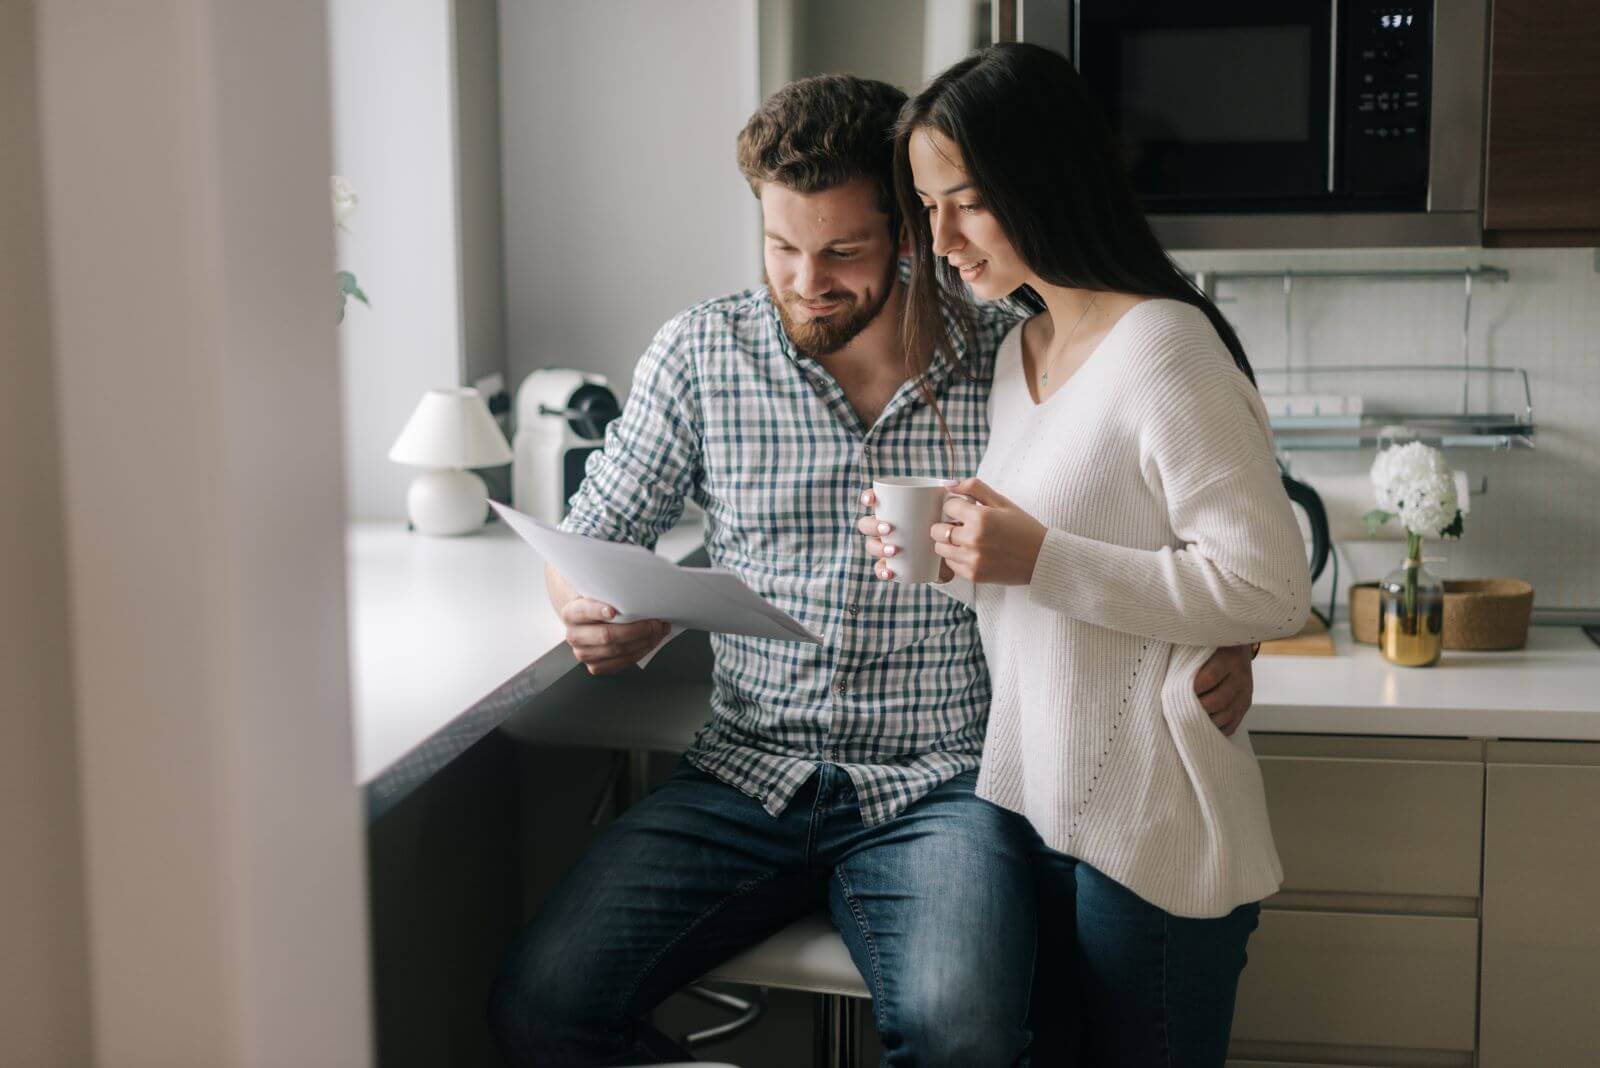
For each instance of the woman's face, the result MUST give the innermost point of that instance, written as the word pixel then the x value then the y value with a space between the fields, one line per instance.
pixel 964 231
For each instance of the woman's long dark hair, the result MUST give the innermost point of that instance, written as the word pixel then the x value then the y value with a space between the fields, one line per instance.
pixel 1044 164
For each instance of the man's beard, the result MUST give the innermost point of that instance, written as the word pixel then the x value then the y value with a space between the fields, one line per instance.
pixel 823 337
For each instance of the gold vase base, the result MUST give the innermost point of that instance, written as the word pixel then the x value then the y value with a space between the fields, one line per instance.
pixel 1416 646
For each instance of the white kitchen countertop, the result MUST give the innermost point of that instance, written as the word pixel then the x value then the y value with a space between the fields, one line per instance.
pixel 1549 691
pixel 439 625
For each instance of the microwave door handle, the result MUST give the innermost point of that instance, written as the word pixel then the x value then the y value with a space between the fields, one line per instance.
pixel 1333 88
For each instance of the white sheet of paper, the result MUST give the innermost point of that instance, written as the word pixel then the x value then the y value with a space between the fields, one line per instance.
pixel 641 585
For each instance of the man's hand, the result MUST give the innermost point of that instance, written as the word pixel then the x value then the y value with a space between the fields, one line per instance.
pixel 604 647
pixel 1225 685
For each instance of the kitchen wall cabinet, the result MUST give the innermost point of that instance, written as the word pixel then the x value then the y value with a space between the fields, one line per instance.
pixel 1541 900
pixel 1542 142
pixel 1440 906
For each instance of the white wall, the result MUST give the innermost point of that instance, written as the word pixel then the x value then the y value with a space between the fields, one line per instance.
pixel 185 149
pixel 483 283
pixel 882 40
pixel 394 138
pixel 1541 518
pixel 623 201
pixel 44 974
pixel 903 42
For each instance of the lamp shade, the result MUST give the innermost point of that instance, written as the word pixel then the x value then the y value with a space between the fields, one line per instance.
pixel 451 428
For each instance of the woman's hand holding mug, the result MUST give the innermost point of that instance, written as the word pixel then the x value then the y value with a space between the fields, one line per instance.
pixel 983 537
pixel 986 538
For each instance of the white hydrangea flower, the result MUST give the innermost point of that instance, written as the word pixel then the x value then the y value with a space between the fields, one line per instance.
pixel 1414 482
pixel 1402 466
pixel 344 200
pixel 1429 505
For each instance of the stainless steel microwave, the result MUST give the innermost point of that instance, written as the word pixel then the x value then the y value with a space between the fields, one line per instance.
pixel 1290 123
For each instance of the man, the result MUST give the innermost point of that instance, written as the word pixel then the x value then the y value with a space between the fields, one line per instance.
pixel 837 776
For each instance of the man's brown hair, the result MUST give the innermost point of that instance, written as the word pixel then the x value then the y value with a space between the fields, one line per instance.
pixel 821 132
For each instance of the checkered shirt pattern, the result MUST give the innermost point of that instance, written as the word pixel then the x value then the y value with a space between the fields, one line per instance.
pixel 725 412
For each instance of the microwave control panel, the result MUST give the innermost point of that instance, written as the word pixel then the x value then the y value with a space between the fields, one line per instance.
pixel 1386 78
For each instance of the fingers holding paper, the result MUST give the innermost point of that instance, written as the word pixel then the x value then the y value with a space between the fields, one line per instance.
pixel 605 647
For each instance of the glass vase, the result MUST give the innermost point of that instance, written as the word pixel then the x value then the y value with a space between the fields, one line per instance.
pixel 1411 612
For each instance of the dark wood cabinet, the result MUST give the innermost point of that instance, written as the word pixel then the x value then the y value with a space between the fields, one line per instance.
pixel 1542 156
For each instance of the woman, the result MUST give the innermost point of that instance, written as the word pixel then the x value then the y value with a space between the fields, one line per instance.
pixel 1127 515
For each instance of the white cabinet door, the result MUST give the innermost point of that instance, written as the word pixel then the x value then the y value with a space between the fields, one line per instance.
pixel 1541 907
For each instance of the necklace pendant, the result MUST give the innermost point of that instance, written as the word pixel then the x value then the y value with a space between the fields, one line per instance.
pixel 1044 379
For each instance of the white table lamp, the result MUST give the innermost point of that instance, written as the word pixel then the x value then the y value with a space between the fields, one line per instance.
pixel 450 431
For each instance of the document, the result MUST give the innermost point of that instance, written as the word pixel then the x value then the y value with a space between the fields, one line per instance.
pixel 641 585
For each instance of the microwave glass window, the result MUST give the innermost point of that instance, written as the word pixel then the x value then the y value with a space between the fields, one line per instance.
pixel 1217 85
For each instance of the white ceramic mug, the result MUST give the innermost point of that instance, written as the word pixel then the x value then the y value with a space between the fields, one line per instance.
pixel 912 506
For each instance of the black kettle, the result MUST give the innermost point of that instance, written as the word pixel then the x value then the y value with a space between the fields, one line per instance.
pixel 1316 517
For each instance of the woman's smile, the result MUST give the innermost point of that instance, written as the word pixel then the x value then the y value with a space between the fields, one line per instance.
pixel 970 271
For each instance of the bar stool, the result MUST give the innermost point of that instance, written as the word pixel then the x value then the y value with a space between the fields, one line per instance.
pixel 809 956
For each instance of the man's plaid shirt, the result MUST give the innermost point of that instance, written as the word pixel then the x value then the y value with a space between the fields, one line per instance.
pixel 725 411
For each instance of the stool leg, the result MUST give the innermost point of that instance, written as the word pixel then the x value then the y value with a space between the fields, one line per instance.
pixel 836 1033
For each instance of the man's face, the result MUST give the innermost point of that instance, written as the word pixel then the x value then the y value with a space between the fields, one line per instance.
pixel 829 262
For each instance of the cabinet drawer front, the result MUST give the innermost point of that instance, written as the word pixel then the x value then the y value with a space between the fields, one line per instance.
pixel 1397 982
pixel 1376 826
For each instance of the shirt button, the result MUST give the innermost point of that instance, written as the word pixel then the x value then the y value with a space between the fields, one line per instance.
pixel 852 610
pixel 841 688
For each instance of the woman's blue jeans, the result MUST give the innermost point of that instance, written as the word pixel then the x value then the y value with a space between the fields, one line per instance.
pixel 936 907
pixel 1120 982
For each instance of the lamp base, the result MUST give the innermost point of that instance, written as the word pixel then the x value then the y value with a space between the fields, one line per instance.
pixel 444 502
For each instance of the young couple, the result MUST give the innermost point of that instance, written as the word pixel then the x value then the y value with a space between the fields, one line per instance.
pixel 1021 787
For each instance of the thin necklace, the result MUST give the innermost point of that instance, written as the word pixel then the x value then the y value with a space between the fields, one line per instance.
pixel 1044 376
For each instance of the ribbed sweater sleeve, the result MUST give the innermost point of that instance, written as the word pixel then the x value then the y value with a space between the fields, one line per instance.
pixel 1237 572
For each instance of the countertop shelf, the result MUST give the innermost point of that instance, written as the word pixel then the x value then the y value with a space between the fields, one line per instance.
pixel 1464 429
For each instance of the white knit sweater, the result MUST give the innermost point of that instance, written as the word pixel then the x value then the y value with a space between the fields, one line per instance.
pixel 1169 535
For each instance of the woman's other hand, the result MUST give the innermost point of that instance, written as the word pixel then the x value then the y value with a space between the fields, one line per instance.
pixel 882 552
pixel 1225 685
pixel 986 538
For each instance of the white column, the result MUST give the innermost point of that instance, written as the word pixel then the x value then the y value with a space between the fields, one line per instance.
pixel 44 999
pixel 186 162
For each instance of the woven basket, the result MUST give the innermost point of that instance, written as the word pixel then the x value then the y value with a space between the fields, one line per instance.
pixel 1481 614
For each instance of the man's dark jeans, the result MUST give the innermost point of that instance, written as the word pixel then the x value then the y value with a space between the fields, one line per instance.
pixel 936 907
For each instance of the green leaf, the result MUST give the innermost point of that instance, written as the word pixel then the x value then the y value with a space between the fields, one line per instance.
pixel 1454 529
pixel 347 289
pixel 1375 519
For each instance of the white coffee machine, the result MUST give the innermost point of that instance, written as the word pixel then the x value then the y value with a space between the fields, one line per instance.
pixel 561 419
